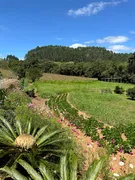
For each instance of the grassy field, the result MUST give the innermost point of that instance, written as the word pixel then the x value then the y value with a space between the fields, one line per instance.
pixel 85 94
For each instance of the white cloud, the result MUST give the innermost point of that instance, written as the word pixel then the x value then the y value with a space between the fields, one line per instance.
pixel 118 48
pixel 93 8
pixel 77 45
pixel 89 42
pixel 132 32
pixel 113 39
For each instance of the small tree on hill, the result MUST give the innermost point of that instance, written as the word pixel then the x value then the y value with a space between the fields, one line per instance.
pixel 131 93
pixel 33 74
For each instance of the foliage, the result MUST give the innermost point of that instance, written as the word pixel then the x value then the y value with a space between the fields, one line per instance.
pixel 62 53
pixel 119 90
pixel 15 99
pixel 24 83
pixel 33 73
pixel 29 142
pixel 68 170
pixel 131 64
pixel 131 93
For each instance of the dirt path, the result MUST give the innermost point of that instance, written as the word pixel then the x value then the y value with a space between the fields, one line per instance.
pixel 5 83
pixel 120 164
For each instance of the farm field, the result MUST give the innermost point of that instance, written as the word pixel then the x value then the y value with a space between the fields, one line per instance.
pixel 85 94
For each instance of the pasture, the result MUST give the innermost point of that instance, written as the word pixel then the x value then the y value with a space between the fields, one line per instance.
pixel 85 94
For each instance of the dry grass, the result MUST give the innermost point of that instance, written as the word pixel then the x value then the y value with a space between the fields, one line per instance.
pixel 7 73
pixel 57 77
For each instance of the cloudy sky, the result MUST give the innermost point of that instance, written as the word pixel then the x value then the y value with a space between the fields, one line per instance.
pixel 25 24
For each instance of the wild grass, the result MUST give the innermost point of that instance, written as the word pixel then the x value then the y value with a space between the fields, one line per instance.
pixel 6 73
pixel 86 96
pixel 58 77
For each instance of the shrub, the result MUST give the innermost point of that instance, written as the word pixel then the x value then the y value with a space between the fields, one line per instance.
pixel 119 90
pixel 131 93
pixel 24 83
pixel 15 99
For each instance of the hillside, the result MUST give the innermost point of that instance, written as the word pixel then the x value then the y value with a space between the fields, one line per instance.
pixel 66 54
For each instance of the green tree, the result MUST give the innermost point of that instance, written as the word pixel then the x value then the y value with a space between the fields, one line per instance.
pixel 131 64
pixel 33 73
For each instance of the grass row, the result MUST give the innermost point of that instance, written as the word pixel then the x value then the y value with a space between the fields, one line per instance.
pixel 111 136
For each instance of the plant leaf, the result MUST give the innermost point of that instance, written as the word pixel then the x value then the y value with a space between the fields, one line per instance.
pixel 45 172
pixel 30 170
pixel 29 126
pixel 13 173
pixel 18 127
pixel 73 164
pixel 46 137
pixel 5 137
pixel 94 169
pixel 63 168
pixel 7 124
pixel 40 132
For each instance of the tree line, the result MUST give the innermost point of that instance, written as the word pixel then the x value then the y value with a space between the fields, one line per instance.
pixel 80 54
pixel 33 66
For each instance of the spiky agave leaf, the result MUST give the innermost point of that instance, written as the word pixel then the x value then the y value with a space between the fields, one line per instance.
pixel 73 164
pixel 40 132
pixel 30 170
pixel 94 169
pixel 63 168
pixel 40 142
pixel 29 126
pixel 6 138
pixel 47 175
pixel 18 127
pixel 13 173
pixel 7 124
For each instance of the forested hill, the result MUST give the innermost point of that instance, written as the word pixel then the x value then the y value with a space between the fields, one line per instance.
pixel 81 54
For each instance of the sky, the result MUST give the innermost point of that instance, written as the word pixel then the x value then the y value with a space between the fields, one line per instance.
pixel 26 24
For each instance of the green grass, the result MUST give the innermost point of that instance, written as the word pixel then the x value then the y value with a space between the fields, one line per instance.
pixel 109 108
pixel 86 96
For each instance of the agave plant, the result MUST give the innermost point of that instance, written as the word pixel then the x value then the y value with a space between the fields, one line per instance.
pixel 29 142
pixel 68 170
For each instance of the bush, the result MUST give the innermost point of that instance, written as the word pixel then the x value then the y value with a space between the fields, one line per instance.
pixel 24 83
pixel 119 90
pixel 131 93
pixel 15 99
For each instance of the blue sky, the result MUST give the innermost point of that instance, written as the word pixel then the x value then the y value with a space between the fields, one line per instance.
pixel 25 24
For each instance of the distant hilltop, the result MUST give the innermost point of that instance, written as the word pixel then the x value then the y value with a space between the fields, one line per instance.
pixel 80 54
